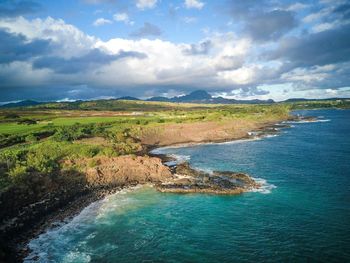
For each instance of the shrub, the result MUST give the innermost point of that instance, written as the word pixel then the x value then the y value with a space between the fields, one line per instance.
pixel 109 152
pixel 42 162
pixel 18 173
pixel 93 163
pixel 11 116
pixel 27 121
pixel 31 138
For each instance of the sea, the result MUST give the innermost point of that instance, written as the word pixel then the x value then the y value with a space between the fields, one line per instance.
pixel 301 213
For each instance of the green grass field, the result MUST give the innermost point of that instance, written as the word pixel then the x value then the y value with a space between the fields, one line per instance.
pixel 37 140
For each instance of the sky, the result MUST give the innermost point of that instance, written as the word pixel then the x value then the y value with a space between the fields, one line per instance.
pixel 242 49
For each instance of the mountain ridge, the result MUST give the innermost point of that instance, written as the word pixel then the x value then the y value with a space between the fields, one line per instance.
pixel 197 96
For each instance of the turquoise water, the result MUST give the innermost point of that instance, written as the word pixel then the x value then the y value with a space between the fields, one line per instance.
pixel 303 214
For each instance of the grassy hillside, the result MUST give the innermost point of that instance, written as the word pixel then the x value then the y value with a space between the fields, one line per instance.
pixel 37 140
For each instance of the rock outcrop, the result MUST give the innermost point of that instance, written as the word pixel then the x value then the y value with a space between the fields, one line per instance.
pixel 126 170
pixel 188 180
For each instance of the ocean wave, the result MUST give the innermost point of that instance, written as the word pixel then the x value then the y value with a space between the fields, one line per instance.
pixel 265 188
pixel 270 135
pixel 40 246
pixel 180 157
pixel 307 121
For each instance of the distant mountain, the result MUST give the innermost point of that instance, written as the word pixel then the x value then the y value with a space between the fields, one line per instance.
pixel 201 96
pixel 23 103
pixel 127 98
pixel 198 96
pixel 296 100
pixel 164 99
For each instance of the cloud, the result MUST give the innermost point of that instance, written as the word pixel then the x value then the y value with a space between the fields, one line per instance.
pixel 147 29
pixel 343 10
pixel 146 4
pixel 94 58
pixel 198 49
pixel 194 4
pixel 263 20
pixel 67 40
pixel 297 6
pixel 14 8
pixel 16 47
pixel 189 19
pixel 51 58
pixel 101 21
pixel 123 17
pixel 326 47
pixel 271 25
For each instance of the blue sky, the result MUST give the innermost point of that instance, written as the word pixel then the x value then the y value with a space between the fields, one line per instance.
pixel 244 49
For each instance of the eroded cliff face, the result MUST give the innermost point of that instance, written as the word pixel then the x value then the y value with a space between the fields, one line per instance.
pixel 72 190
pixel 126 170
pixel 93 178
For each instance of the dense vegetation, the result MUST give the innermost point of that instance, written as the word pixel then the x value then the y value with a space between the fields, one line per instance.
pixel 39 144
pixel 320 104
pixel 38 140
pixel 34 141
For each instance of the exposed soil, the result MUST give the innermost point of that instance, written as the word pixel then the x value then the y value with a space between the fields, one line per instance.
pixel 103 175
pixel 199 132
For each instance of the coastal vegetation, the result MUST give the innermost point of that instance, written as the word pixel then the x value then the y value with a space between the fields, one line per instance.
pixel 47 150
pixel 36 139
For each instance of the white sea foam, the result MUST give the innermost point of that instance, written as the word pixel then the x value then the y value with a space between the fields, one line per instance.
pixel 306 121
pixel 87 217
pixel 265 188
pixel 180 158
pixel 270 135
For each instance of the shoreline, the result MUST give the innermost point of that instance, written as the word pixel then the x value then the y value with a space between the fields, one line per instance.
pixel 19 247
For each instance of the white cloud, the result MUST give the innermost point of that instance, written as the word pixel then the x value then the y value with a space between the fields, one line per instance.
pixel 165 62
pixel 328 26
pixel 189 19
pixel 225 62
pixel 69 40
pixel 101 21
pixel 317 16
pixel 297 6
pixel 194 4
pixel 123 17
pixel 144 4
pixel 309 76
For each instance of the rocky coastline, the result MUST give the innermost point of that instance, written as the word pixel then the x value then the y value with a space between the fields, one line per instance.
pixel 110 176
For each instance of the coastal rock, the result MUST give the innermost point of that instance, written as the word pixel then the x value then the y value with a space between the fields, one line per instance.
pixel 189 180
pixel 127 170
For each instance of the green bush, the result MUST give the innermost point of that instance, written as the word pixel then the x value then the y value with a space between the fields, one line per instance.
pixel 11 116
pixel 18 173
pixel 31 138
pixel 27 121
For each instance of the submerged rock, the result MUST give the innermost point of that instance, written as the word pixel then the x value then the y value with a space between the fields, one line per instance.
pixel 189 180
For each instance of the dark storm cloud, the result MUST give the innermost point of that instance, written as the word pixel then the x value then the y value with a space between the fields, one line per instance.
pixel 147 29
pixel 13 8
pixel 326 47
pixel 243 9
pixel 198 49
pixel 262 20
pixel 15 47
pixel 78 64
pixel 343 11
pixel 270 25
